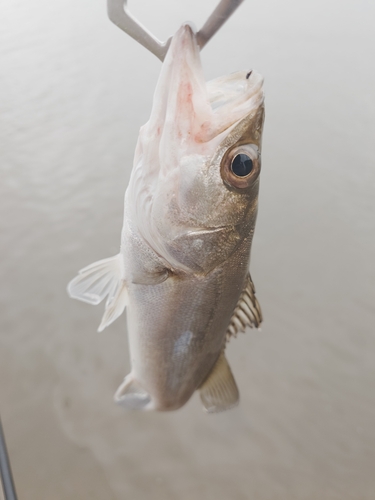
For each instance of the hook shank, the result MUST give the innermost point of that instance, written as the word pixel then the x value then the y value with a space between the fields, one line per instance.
pixel 222 12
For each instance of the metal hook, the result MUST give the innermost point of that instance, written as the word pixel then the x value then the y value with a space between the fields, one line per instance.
pixel 119 14
pixel 222 12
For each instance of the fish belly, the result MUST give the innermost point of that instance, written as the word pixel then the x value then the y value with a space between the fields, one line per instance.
pixel 177 330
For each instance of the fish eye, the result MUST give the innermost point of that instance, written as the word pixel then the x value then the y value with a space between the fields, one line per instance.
pixel 240 166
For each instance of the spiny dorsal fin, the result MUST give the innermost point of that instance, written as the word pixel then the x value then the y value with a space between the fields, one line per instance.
pixel 219 391
pixel 247 311
pixel 99 280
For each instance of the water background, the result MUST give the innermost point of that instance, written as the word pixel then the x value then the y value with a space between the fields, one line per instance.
pixel 74 91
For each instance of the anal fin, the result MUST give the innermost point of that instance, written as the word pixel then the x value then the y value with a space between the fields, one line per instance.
pixel 219 391
pixel 131 395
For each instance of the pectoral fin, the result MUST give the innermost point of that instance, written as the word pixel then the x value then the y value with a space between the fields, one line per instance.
pixel 219 391
pixel 114 307
pixel 247 311
pixel 99 280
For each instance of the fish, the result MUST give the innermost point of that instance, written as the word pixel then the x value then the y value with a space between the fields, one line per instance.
pixel 189 217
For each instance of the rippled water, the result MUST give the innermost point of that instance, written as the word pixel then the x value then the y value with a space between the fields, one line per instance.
pixel 74 92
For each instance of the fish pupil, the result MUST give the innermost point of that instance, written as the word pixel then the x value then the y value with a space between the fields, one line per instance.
pixel 242 165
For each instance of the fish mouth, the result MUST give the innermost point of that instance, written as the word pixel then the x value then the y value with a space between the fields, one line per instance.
pixel 232 98
pixel 189 113
pixel 190 116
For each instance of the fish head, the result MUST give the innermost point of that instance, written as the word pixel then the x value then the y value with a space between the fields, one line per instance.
pixel 194 186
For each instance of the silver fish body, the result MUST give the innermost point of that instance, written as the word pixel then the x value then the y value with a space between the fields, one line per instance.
pixel 189 218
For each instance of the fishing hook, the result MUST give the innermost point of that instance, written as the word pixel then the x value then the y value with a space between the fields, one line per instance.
pixel 119 14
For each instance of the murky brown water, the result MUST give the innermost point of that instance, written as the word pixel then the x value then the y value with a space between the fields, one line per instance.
pixel 74 91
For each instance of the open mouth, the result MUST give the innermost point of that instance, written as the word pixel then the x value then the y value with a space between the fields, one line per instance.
pixel 190 112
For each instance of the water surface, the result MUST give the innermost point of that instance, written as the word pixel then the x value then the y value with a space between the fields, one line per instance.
pixel 74 92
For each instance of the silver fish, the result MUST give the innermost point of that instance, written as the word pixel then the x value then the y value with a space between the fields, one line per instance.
pixel 189 218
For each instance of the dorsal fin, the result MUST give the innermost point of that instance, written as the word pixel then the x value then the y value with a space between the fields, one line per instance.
pixel 219 391
pixel 247 311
